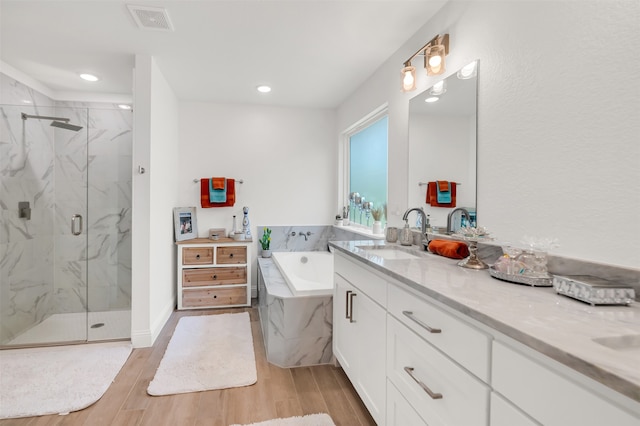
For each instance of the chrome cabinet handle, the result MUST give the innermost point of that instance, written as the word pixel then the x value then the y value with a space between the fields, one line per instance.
pixel 74 218
pixel 409 315
pixel 351 296
pixel 346 304
pixel 432 394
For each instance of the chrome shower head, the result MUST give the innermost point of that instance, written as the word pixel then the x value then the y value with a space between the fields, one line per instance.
pixel 67 126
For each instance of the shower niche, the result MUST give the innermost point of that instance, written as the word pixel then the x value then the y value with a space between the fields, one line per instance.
pixel 65 199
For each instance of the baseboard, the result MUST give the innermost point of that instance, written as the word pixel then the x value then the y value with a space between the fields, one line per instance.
pixel 146 338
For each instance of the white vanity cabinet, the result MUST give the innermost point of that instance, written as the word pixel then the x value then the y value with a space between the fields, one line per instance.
pixel 359 324
pixel 551 393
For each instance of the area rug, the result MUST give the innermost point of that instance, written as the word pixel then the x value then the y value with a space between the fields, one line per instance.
pixel 57 380
pixel 207 352
pixel 309 420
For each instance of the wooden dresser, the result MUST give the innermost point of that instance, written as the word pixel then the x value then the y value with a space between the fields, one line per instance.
pixel 214 273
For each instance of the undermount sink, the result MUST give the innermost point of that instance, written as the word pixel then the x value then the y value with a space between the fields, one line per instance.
pixel 620 343
pixel 388 253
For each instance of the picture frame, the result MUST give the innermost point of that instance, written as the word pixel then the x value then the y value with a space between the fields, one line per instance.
pixel 185 223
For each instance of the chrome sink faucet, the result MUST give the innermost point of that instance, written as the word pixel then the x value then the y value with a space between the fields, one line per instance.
pixel 452 212
pixel 421 212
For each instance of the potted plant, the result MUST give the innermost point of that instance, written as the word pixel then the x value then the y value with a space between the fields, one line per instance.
pixel 265 242
pixel 376 213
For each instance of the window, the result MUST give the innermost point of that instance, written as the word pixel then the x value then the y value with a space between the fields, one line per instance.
pixel 366 168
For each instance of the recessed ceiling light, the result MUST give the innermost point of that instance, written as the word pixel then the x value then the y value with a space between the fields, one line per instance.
pixel 89 77
pixel 124 106
pixel 432 99
pixel 263 89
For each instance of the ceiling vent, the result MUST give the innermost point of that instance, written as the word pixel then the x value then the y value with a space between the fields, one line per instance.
pixel 151 18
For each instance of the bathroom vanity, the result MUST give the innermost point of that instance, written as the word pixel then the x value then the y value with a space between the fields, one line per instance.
pixel 425 342
pixel 213 274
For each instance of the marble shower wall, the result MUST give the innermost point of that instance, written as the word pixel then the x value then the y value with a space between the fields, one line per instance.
pixel 42 266
pixel 26 174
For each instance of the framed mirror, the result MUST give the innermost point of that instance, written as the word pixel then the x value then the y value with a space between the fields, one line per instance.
pixel 443 143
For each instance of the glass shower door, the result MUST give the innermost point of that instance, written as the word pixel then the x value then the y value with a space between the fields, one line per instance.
pixel 43 239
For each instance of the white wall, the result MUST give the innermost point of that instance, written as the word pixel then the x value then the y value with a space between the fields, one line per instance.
pixel 286 157
pixel 154 196
pixel 558 123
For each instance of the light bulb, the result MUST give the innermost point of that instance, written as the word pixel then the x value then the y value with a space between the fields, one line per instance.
pixel 435 61
pixel 467 71
pixel 408 78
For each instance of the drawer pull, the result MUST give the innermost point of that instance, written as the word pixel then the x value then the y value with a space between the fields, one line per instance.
pixel 215 277
pixel 197 256
pixel 351 296
pixel 409 315
pixel 231 255
pixel 432 394
pixel 346 304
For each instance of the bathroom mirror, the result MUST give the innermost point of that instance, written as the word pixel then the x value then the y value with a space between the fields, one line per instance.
pixel 442 142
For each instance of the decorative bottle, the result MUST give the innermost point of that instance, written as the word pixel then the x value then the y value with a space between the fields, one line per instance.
pixel 246 227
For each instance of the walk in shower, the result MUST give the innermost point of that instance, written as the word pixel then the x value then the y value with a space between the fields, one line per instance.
pixel 65 204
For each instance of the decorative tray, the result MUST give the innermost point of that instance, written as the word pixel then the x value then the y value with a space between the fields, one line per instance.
pixel 593 290
pixel 521 279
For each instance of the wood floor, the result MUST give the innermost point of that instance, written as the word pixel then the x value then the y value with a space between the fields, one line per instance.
pixel 279 392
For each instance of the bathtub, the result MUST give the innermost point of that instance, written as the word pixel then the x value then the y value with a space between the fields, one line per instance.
pixel 307 273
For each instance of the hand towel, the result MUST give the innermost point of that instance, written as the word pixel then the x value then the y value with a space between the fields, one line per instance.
pixel 218 190
pixel 204 194
pixel 432 195
pixel 446 248
pixel 443 192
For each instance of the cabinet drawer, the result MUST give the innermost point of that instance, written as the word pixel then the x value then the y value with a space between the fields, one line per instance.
pixel 462 342
pixel 505 414
pixel 549 396
pixel 465 399
pixel 362 278
pixel 197 256
pixel 399 412
pixel 230 255
pixel 213 276
pixel 195 298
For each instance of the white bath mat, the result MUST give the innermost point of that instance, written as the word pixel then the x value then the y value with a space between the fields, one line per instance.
pixel 40 381
pixel 309 420
pixel 207 352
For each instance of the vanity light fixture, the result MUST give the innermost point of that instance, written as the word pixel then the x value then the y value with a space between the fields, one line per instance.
pixel 434 53
pixel 439 88
pixel 468 71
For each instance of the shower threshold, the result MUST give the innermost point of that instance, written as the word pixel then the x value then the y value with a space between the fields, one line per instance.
pixel 72 327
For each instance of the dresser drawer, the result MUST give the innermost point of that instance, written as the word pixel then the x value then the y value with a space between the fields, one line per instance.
pixel 230 255
pixel 197 256
pixel 362 278
pixel 465 399
pixel 192 298
pixel 461 341
pixel 213 276
pixel 551 397
pixel 505 414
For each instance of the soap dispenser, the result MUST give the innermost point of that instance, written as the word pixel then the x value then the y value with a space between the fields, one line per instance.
pixel 406 236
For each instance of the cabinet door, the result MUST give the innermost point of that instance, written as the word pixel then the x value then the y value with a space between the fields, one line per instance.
pixel 399 412
pixel 344 346
pixel 370 321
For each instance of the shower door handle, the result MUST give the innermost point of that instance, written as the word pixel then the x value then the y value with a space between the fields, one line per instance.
pixel 76 218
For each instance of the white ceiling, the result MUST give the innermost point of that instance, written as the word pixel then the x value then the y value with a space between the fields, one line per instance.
pixel 313 53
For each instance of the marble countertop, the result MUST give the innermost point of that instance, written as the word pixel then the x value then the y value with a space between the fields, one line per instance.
pixel 564 329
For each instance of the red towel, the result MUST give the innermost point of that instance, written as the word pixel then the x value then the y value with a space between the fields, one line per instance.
pixel 217 182
pixel 204 194
pixel 447 248
pixel 432 196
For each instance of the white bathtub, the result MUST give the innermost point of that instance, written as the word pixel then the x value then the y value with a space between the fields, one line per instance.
pixel 308 273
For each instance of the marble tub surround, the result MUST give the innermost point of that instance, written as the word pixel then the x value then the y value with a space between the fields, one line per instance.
pixel 283 240
pixel 561 328
pixel 297 331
